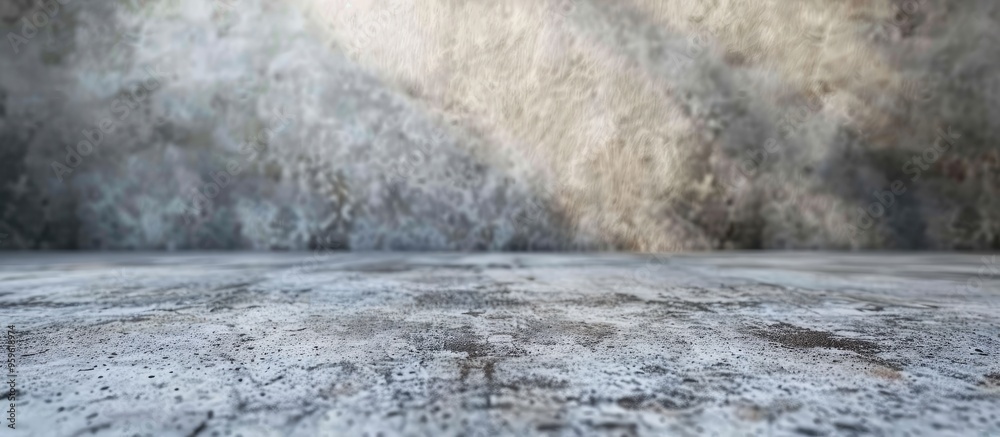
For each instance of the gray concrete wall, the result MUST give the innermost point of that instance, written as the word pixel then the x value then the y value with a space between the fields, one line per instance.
pixel 516 125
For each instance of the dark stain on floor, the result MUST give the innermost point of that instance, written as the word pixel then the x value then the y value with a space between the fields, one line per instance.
pixel 466 299
pixel 536 382
pixel 632 402
pixel 554 331
pixel 609 300
pixel 380 267
pixel 803 338
pixel 467 343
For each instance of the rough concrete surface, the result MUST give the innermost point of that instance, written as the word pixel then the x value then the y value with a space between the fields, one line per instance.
pixel 504 344
pixel 509 125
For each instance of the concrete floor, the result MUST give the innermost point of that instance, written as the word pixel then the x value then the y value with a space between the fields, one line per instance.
pixel 504 344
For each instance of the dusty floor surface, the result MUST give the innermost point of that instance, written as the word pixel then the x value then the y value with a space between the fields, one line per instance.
pixel 436 344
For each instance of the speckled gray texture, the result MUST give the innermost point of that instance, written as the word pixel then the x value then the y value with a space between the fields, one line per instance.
pixel 517 125
pixel 559 344
pixel 326 155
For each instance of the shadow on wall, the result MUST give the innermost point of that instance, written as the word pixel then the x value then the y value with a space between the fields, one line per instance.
pixel 512 125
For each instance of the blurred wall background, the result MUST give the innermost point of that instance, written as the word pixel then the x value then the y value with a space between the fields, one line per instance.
pixel 508 125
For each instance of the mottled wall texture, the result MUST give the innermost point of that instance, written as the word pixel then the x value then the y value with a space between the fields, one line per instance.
pixel 648 125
